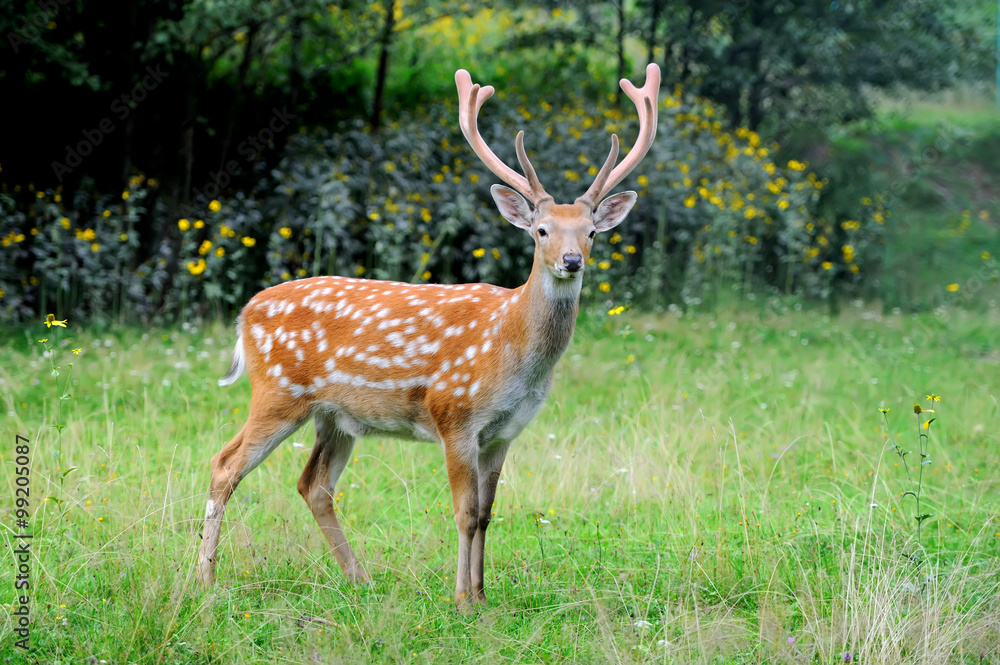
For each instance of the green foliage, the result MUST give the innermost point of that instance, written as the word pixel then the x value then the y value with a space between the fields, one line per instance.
pixel 412 203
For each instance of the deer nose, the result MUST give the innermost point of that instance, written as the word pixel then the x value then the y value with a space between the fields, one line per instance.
pixel 572 262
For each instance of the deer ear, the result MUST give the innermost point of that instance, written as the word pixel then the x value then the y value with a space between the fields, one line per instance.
pixel 613 210
pixel 512 206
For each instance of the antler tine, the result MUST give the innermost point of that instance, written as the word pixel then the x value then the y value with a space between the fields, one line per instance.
pixel 469 102
pixel 593 195
pixel 534 183
pixel 645 100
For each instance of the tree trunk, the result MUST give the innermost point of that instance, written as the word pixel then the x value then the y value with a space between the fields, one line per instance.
pixel 383 65
pixel 654 20
pixel 621 46
pixel 238 96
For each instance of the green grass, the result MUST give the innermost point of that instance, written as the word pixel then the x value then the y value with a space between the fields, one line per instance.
pixel 933 160
pixel 725 497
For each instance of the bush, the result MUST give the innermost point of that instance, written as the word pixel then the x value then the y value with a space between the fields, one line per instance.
pixel 412 203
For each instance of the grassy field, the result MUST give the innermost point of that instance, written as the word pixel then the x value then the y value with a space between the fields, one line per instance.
pixel 698 489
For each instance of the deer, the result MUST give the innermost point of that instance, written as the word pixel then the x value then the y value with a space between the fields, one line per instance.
pixel 467 366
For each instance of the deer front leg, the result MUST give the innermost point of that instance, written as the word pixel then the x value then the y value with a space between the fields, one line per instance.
pixel 463 478
pixel 490 463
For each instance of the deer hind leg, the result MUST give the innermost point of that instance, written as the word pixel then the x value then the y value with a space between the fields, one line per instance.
pixel 263 431
pixel 330 455
pixel 463 477
pixel 490 463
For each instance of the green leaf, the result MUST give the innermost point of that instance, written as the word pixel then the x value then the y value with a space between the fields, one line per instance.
pixel 921 518
pixel 68 471
pixel 911 493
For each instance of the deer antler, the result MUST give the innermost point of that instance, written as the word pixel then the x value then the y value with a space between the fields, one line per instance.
pixel 470 100
pixel 645 100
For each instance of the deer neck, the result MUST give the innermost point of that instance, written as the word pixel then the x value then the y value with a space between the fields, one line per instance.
pixel 547 311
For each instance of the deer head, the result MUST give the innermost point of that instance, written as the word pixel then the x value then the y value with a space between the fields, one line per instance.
pixel 563 233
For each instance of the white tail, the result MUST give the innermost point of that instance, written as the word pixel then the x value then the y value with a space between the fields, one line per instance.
pixel 465 365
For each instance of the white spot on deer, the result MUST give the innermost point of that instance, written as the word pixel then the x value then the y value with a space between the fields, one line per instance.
pixel 445 366
pixel 289 307
pixel 441 385
pixel 487 345
pixel 266 347
pixel 514 298
pixel 410 330
pixel 458 392
pixel 474 388
pixel 472 324
pixel 300 354
pixel 257 331
pixel 283 382
pixel 306 335
pixel 321 346
pixel 275 370
pixel 470 352
pixel 361 356
pixel 296 389
pixel 291 344
pixel 396 339
pixel 379 361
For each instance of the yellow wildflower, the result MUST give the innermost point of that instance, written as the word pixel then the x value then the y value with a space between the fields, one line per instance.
pixel 827 265
pixel 604 265
pixel 220 251
pixel 214 206
pixel 286 232
pixel 359 270
pixel 182 224
pixel 64 222
pixel 249 242
pixel 953 287
pixel 51 320
pixel 604 287
pixel 199 223
pixel 479 253
pixel 496 254
pixel 95 247
pixel 196 267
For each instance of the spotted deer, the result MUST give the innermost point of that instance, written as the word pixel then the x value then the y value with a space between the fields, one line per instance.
pixel 467 366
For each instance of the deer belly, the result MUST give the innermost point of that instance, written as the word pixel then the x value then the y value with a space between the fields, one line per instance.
pixel 358 425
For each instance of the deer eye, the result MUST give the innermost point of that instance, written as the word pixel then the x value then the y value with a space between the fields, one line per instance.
pixel 593 233
pixel 542 232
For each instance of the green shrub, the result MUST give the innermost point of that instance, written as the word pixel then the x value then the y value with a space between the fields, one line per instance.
pixel 412 203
